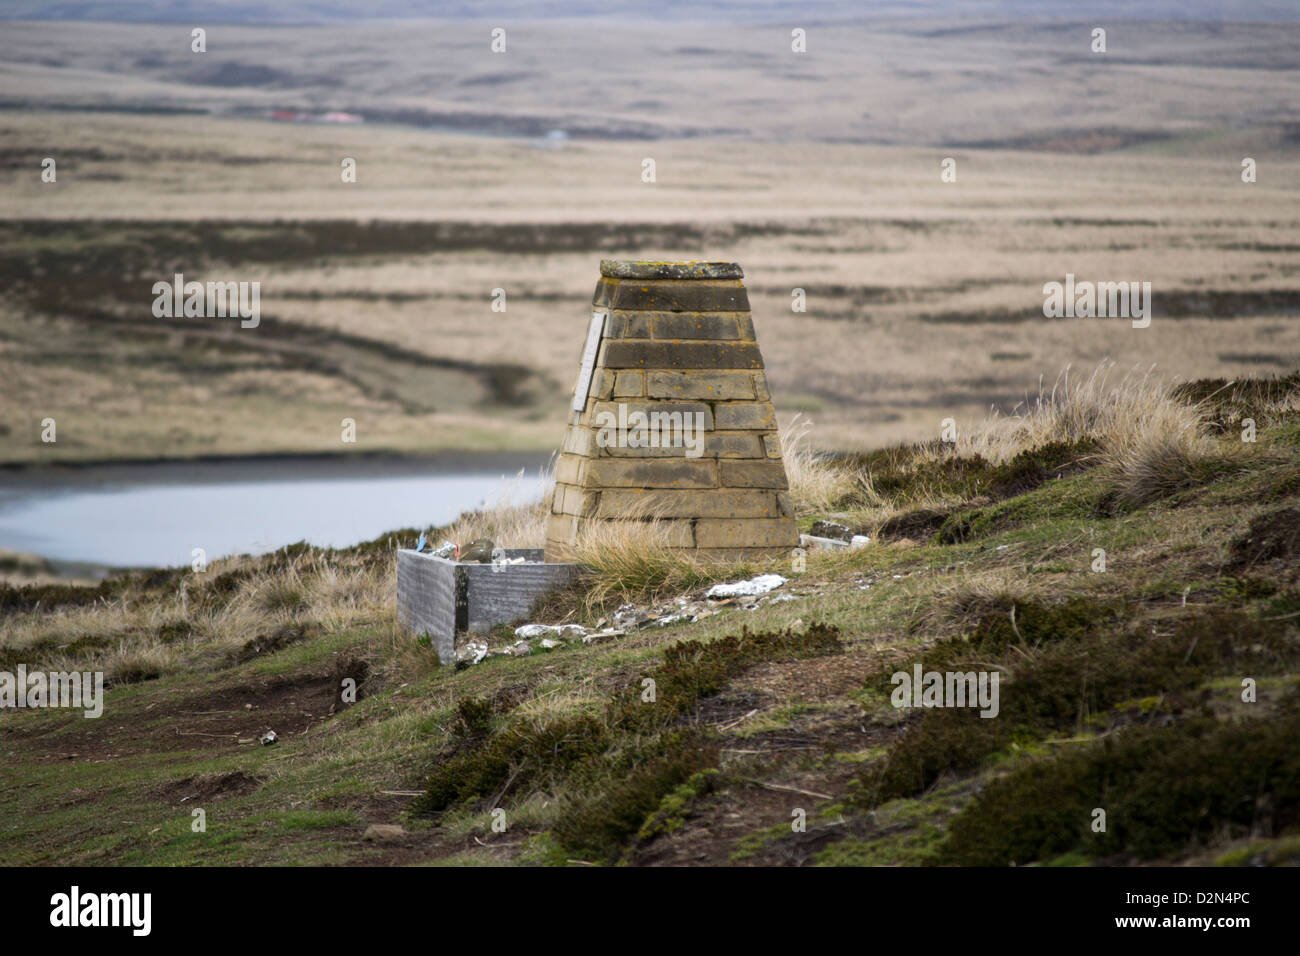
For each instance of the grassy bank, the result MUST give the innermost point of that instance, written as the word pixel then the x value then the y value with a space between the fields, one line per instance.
pixel 1117 554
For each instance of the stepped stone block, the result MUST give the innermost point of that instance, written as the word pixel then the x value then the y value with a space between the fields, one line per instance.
pixel 721 386
pixel 753 474
pixel 636 353
pixel 672 418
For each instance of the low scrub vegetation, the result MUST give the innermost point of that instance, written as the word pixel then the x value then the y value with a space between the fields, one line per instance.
pixel 613 767
pixel 1126 567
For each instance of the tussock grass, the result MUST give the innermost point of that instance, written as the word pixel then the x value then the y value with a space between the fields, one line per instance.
pixel 1154 439
pixel 1109 410
pixel 958 606
pixel 1156 465
pixel 560 700
pixel 283 593
pixel 182 621
pixel 508 522
pixel 632 559
pixel 132 663
pixel 817 482
pixel 1149 440
pixel 1149 443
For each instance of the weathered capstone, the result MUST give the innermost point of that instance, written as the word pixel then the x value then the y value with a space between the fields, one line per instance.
pixel 672 418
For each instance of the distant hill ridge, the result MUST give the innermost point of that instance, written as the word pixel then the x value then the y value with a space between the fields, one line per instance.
pixel 333 11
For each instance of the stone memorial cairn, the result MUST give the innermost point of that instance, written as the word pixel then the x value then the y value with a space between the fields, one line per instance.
pixel 671 344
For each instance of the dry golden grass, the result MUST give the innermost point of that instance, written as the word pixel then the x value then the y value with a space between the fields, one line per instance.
pixel 1146 435
pixel 956 606
pixel 560 700
pixel 1151 443
pixel 816 482
pixel 1116 411
pixel 172 630
pixel 507 522
pixel 633 560
pixel 630 559
pixel 924 298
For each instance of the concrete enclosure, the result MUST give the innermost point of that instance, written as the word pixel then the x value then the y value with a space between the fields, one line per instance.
pixel 671 416
pixel 444 598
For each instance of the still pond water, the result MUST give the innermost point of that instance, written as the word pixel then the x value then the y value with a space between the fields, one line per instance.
pixel 155 515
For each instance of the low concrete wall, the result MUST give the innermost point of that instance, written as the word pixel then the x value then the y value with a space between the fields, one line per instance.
pixel 442 598
pixel 426 600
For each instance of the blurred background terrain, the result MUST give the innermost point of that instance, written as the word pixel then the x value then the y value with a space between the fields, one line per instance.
pixel 187 440
pixel 520 170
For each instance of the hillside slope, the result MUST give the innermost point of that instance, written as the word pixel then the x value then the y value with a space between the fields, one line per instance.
pixel 1122 680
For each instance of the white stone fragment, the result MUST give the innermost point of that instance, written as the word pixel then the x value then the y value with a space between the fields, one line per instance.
pixel 759 585
pixel 811 542
pixel 529 631
pixel 474 652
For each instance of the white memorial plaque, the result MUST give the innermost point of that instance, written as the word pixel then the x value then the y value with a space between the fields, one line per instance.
pixel 594 334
